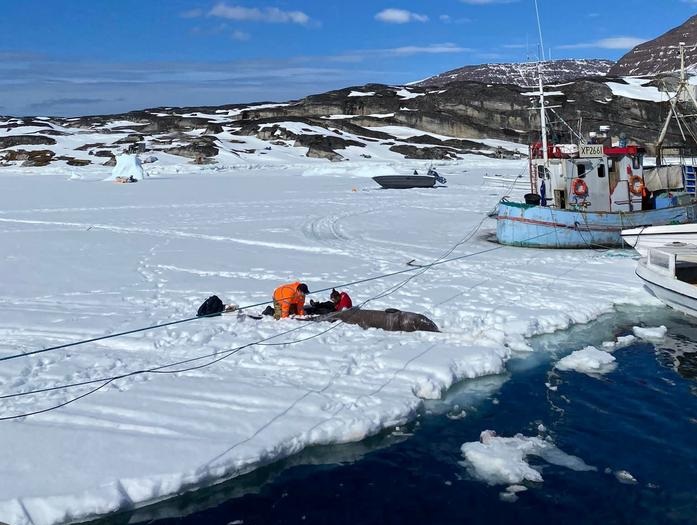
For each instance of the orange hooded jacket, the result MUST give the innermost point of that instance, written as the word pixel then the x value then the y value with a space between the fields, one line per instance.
pixel 288 294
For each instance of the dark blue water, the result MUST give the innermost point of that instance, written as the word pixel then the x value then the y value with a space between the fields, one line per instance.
pixel 641 418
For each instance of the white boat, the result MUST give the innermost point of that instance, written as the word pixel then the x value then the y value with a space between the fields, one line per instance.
pixel 644 238
pixel 670 274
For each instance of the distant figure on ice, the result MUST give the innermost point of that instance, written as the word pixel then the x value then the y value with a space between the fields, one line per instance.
pixel 289 299
pixel 337 301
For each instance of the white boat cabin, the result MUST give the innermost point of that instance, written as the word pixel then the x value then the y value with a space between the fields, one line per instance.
pixel 591 177
pixel 677 261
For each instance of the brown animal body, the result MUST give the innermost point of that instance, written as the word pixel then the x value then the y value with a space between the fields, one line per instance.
pixel 392 320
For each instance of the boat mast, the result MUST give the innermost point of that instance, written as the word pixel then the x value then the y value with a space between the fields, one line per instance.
pixel 543 117
pixel 682 90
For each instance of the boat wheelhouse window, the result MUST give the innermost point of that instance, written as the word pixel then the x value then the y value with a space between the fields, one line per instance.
pixel 636 162
pixel 601 170
pixel 541 171
pixel 659 259
pixel 581 169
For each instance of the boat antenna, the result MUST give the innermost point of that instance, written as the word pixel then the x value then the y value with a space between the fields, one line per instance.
pixel 543 118
pixel 539 30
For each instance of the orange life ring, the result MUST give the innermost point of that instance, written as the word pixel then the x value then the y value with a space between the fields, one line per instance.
pixel 636 185
pixel 579 188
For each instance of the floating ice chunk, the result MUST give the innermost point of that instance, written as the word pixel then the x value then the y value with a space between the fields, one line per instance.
pixel 500 460
pixel 648 332
pixel 589 360
pixel 508 497
pixel 621 342
pixel 625 477
pixel 456 413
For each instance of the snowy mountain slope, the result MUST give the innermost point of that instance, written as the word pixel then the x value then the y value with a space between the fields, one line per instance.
pixel 660 55
pixel 523 74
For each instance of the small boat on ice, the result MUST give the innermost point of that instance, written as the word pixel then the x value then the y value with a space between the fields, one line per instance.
pixel 670 274
pixel 399 182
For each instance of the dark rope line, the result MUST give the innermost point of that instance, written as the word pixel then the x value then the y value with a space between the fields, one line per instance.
pixel 189 319
pixel 228 353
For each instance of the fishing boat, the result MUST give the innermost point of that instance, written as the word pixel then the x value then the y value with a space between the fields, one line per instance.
pixel 583 195
pixel 592 199
pixel 670 274
pixel 410 181
pixel 642 239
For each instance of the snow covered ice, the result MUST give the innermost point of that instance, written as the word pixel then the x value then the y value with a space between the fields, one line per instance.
pixel 83 259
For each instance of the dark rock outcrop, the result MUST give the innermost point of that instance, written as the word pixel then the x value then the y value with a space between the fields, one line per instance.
pixel 72 161
pixel 433 153
pixel 25 140
pixel 38 158
pixel 201 147
pixel 131 138
pixel 89 146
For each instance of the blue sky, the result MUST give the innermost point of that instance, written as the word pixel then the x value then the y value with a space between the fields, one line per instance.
pixel 76 57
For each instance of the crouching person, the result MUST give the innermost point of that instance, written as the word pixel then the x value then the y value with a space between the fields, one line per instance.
pixel 289 299
pixel 341 300
pixel 338 301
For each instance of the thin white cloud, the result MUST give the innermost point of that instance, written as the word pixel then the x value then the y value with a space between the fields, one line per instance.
pixel 240 35
pixel 617 42
pixel 399 16
pixel 192 13
pixel 433 49
pixel 363 55
pixel 447 19
pixel 255 14
pixel 487 2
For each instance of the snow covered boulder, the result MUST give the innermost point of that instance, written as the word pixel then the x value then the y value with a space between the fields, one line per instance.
pixel 128 167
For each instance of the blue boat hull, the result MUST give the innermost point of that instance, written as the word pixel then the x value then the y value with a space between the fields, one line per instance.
pixel 520 224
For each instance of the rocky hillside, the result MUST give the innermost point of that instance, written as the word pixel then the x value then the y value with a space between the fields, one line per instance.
pixel 372 121
pixel 523 74
pixel 660 55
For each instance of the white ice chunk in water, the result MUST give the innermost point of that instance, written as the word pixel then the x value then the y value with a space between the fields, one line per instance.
pixel 621 342
pixel 656 332
pixel 589 360
pixel 501 460
pixel 625 477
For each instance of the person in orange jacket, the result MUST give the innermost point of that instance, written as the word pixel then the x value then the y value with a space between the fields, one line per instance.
pixel 289 299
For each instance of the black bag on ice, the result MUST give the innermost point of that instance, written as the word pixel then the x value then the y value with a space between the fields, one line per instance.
pixel 211 306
